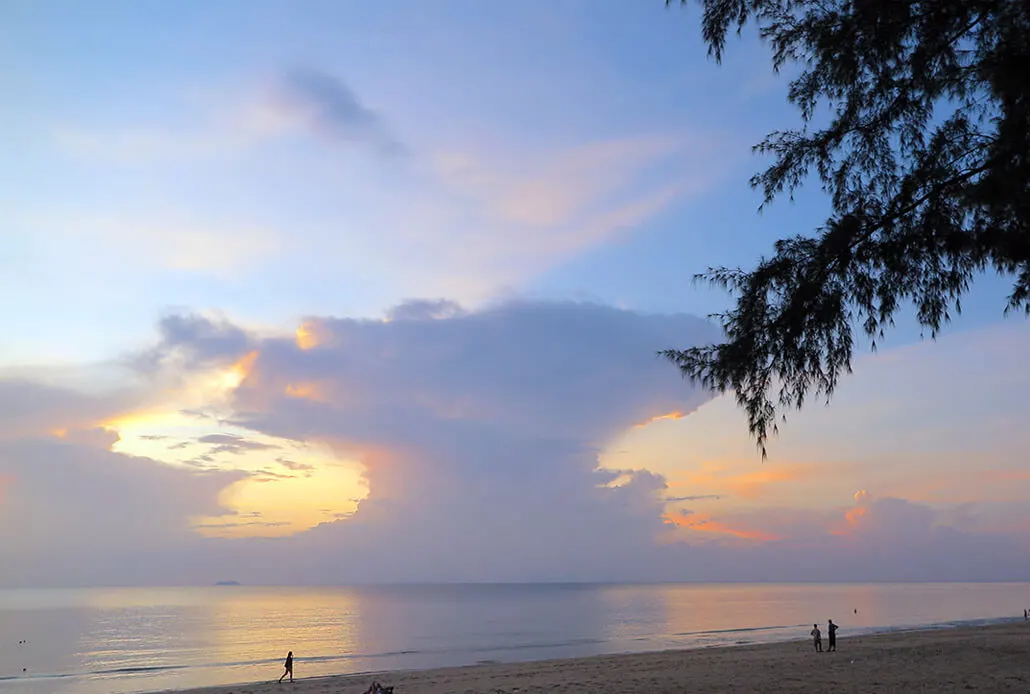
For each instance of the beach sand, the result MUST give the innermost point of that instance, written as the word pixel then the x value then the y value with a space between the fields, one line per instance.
pixel 985 659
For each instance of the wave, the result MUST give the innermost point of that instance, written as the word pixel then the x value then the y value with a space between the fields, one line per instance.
pixel 537 644
pixel 738 630
pixel 138 669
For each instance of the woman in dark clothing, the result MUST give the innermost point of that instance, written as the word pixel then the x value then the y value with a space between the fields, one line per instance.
pixel 289 667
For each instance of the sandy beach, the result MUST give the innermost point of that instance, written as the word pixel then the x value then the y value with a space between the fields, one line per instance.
pixel 988 659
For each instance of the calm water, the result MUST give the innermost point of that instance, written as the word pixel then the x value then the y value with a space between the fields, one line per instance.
pixel 94 641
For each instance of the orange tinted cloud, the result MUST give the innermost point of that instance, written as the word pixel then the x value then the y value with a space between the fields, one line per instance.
pixel 305 390
pixel 1006 475
pixel 307 336
pixel 718 478
pixel 969 485
pixel 240 370
pixel 675 414
pixel 853 516
pixel 152 418
pixel 706 524
pixel 750 484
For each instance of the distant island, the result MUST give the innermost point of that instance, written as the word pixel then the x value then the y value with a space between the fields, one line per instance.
pixel 228 583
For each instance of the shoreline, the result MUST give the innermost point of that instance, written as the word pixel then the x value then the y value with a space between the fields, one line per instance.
pixel 994 658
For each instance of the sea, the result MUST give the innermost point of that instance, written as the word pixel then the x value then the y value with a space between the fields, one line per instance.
pixel 118 640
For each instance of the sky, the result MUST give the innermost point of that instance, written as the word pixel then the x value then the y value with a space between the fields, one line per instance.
pixel 329 292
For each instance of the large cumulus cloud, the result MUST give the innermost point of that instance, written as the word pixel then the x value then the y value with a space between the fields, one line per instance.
pixel 480 434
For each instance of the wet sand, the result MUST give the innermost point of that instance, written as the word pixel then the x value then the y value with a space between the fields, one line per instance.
pixel 986 659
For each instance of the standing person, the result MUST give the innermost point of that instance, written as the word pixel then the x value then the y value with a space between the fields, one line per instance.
pixel 817 638
pixel 831 629
pixel 289 667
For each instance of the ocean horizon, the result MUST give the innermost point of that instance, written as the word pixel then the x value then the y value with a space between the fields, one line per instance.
pixel 118 640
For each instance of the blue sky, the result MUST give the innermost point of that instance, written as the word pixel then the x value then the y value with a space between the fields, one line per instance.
pixel 125 112
pixel 268 165
pixel 133 154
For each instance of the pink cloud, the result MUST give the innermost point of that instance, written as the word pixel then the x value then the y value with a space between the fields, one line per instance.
pixel 707 524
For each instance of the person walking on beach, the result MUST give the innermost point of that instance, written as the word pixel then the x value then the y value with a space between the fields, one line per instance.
pixel 289 667
pixel 817 638
pixel 831 629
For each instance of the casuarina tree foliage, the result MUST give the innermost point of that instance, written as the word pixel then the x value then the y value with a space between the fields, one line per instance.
pixel 915 116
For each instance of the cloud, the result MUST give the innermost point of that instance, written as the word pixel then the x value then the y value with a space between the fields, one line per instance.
pixel 325 105
pixel 195 342
pixel 915 541
pixel 543 205
pixel 422 309
pixel 305 100
pixel 466 219
pixel 266 475
pixel 543 370
pixel 197 414
pixel 229 443
pixel 891 540
pixel 888 518
pixel 29 408
pixel 294 465
pixel 479 432
pixel 746 482
pixel 241 524
pixel 549 188
pixel 77 514
pixel 562 200
pixel 705 523
pixel 496 415
pixel 200 462
pixel 96 437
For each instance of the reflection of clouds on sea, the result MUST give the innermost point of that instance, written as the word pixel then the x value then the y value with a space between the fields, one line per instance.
pixel 483 622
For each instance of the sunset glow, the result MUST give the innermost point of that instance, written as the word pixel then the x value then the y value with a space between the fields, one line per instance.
pixel 239 371
pixel 707 524
pixel 277 507
pixel 306 391
pixel 667 416
pixel 306 336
